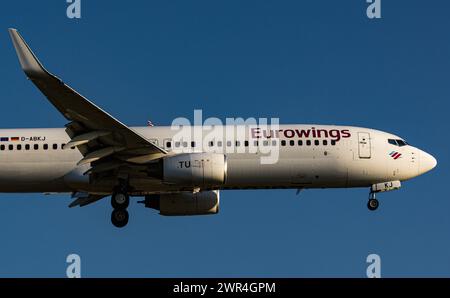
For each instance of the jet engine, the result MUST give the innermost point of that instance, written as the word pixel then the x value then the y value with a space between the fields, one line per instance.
pixel 185 203
pixel 192 169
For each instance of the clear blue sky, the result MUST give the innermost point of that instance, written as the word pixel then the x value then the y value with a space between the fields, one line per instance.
pixel 302 61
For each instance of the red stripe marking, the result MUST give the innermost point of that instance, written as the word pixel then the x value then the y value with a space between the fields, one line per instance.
pixel 398 155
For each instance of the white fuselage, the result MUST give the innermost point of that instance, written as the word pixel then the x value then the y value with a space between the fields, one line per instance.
pixel 309 156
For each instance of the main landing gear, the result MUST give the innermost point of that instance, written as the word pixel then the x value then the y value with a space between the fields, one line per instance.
pixel 119 218
pixel 120 201
pixel 373 203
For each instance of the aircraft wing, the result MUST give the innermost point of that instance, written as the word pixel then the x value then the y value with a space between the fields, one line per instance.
pixel 85 199
pixel 97 134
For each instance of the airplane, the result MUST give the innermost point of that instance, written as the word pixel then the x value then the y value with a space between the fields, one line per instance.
pixel 96 156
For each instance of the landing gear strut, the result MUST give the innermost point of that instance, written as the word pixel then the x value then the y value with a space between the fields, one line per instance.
pixel 120 201
pixel 373 203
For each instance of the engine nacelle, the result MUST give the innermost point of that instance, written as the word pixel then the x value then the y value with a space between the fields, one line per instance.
pixel 195 169
pixel 185 203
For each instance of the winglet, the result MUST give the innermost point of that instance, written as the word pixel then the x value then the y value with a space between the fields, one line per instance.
pixel 30 64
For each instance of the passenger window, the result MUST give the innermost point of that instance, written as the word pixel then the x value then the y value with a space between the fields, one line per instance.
pixel 19 147
pixel 185 144
pixel 283 142
pixel 36 146
pixel 2 147
pixel 27 146
pixel 316 142
pixel 177 144
pixel 219 144
pixel 193 144
pixel 265 143
pixel 55 146
pixel 325 142
pixel 256 143
pixel 45 146
pixel 10 147
pixel 292 142
pixel 300 142
pixel 246 143
pixel 274 142
pixel 238 143
pixel 62 146
pixel 211 144
pixel 333 142
pixel 308 142
pixel 168 144
pixel 228 143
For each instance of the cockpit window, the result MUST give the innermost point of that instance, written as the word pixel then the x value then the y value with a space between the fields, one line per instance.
pixel 392 142
pixel 397 142
pixel 401 143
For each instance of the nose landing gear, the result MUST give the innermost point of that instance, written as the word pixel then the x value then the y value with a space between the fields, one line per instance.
pixel 373 203
pixel 381 187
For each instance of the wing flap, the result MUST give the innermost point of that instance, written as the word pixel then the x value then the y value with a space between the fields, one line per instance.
pixel 85 138
pixel 83 199
pixel 96 155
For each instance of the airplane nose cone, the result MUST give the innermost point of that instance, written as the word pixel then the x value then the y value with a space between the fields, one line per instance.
pixel 427 162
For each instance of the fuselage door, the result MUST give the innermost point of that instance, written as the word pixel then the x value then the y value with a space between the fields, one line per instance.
pixel 364 144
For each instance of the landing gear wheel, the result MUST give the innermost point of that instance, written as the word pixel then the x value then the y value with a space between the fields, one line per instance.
pixel 119 218
pixel 120 200
pixel 373 204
